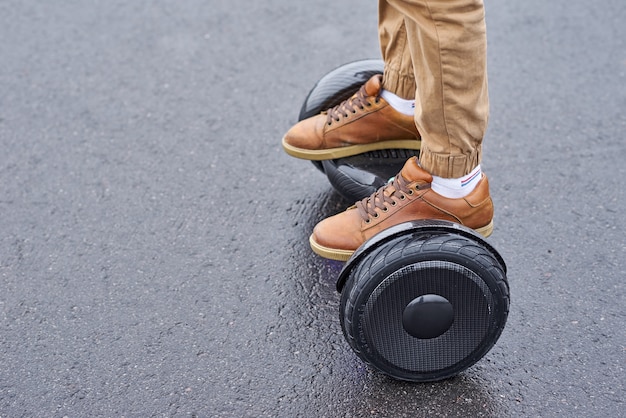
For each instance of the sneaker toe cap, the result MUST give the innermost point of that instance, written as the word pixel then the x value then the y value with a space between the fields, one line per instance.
pixel 334 233
pixel 305 134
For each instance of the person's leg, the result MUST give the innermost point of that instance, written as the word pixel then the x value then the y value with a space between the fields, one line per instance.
pixel 379 116
pixel 399 75
pixel 448 49
pixel 447 45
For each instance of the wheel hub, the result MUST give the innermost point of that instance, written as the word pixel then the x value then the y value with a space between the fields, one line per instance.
pixel 428 316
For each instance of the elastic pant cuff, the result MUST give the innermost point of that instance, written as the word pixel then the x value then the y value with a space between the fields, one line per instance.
pixel 447 165
pixel 402 85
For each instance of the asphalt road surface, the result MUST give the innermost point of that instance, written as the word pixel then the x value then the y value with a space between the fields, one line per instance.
pixel 153 234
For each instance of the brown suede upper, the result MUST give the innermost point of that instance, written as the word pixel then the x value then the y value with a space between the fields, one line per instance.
pixel 409 197
pixel 363 119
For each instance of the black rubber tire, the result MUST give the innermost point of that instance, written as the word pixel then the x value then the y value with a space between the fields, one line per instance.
pixel 431 254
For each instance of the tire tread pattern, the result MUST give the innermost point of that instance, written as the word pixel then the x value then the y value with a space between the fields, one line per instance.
pixel 404 248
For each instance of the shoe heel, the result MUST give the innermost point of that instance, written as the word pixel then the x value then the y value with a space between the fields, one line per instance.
pixel 486 230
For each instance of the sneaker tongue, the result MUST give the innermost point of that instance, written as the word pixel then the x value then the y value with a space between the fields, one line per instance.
pixel 372 86
pixel 413 172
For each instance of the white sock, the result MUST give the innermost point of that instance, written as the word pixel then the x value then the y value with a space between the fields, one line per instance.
pixel 398 103
pixel 457 188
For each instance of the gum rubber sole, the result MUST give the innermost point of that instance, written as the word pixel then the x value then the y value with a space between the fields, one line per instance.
pixel 486 230
pixel 330 253
pixel 347 151
pixel 344 255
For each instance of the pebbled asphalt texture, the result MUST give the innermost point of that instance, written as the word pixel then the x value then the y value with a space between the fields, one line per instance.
pixel 153 234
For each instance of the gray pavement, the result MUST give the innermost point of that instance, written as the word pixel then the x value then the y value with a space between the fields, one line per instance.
pixel 153 255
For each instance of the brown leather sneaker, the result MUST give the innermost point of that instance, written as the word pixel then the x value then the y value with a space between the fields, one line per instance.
pixel 364 122
pixel 408 197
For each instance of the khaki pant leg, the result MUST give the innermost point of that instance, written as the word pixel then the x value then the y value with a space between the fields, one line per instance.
pixel 399 76
pixel 447 44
